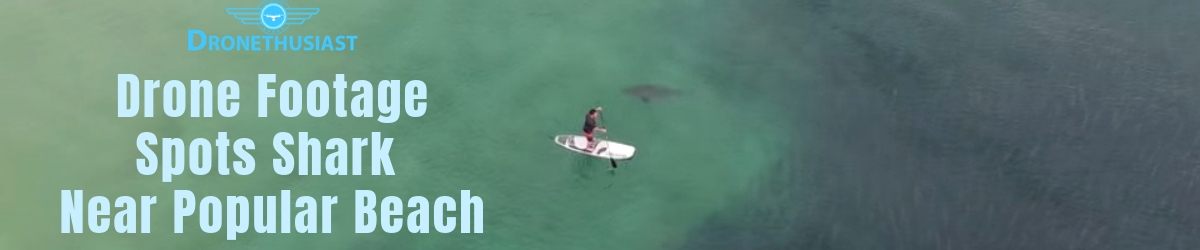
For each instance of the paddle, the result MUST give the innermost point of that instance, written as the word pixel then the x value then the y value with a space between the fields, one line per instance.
pixel 611 161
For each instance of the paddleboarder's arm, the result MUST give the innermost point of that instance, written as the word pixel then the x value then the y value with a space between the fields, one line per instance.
pixel 598 111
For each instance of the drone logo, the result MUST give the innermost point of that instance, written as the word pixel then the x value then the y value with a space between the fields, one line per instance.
pixel 273 16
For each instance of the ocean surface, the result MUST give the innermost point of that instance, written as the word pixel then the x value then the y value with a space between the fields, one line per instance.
pixel 805 124
pixel 977 125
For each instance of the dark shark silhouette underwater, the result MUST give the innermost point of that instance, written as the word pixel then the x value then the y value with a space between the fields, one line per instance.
pixel 649 92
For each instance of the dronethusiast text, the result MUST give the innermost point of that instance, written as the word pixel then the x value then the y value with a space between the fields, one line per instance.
pixel 273 17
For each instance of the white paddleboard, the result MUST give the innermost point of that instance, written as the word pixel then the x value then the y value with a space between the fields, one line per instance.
pixel 603 149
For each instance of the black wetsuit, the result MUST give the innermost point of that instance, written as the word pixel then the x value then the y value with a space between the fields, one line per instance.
pixel 589 124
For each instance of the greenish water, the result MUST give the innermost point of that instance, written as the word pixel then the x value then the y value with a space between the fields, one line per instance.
pixel 503 77
pixel 803 124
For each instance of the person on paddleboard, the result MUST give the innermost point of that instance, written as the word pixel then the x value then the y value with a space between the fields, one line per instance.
pixel 589 125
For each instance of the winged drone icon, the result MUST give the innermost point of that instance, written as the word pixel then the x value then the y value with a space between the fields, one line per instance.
pixel 273 16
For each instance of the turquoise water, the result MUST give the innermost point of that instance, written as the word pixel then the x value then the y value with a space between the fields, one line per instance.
pixel 503 78
pixel 807 124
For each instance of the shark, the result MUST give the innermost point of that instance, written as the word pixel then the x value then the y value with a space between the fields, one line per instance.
pixel 650 92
